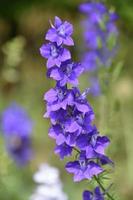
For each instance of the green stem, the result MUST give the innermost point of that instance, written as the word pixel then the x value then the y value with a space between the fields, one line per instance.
pixel 98 181
pixel 103 189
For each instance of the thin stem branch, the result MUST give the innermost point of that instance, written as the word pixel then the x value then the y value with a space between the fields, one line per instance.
pixel 102 187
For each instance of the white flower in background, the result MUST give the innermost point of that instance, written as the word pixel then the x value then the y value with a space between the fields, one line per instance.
pixel 49 184
pixel 47 175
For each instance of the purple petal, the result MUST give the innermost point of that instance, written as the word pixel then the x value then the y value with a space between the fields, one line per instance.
pixel 57 22
pixel 72 126
pixel 82 107
pixel 93 169
pixel 78 176
pixel 50 62
pixel 69 41
pixel 51 35
pixel 60 139
pixel 45 50
pixel 102 143
pixel 65 55
pixel 90 152
pixel 71 167
pixel 59 41
pixel 82 141
pixel 74 82
pixel 87 195
pixel 55 74
pixel 63 150
pixel 57 61
pixel 68 28
pixel 51 96
pixel 54 131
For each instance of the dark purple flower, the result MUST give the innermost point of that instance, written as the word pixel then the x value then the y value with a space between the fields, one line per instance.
pixel 84 139
pixel 17 127
pixel 94 10
pixel 55 54
pixel 79 122
pixel 58 97
pixel 56 116
pixel 68 72
pixel 63 150
pixel 83 168
pixel 97 145
pixel 87 195
pixel 81 103
pixel 96 195
pixel 60 32
pixel 58 133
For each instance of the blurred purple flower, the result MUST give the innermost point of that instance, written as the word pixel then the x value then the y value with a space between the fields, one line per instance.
pixel 17 127
pixel 63 150
pixel 100 36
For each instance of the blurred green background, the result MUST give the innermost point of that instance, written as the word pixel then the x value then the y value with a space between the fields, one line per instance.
pixel 23 79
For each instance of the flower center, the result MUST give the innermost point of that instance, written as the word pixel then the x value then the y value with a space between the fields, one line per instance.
pixel 68 69
pixel 60 94
pixel 54 51
pixel 82 164
pixel 61 31
pixel 79 119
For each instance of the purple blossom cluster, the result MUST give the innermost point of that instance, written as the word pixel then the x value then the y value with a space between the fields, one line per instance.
pixel 70 113
pixel 16 128
pixel 100 39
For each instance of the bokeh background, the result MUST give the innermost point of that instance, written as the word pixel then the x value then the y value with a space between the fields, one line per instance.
pixel 22 79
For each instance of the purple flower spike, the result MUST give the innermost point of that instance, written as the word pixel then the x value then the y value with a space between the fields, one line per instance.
pixel 17 128
pixel 55 54
pixel 70 113
pixel 97 195
pixel 60 32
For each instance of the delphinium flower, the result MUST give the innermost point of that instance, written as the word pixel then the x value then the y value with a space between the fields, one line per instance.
pixel 97 195
pixel 49 184
pixel 17 128
pixel 71 115
pixel 100 38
